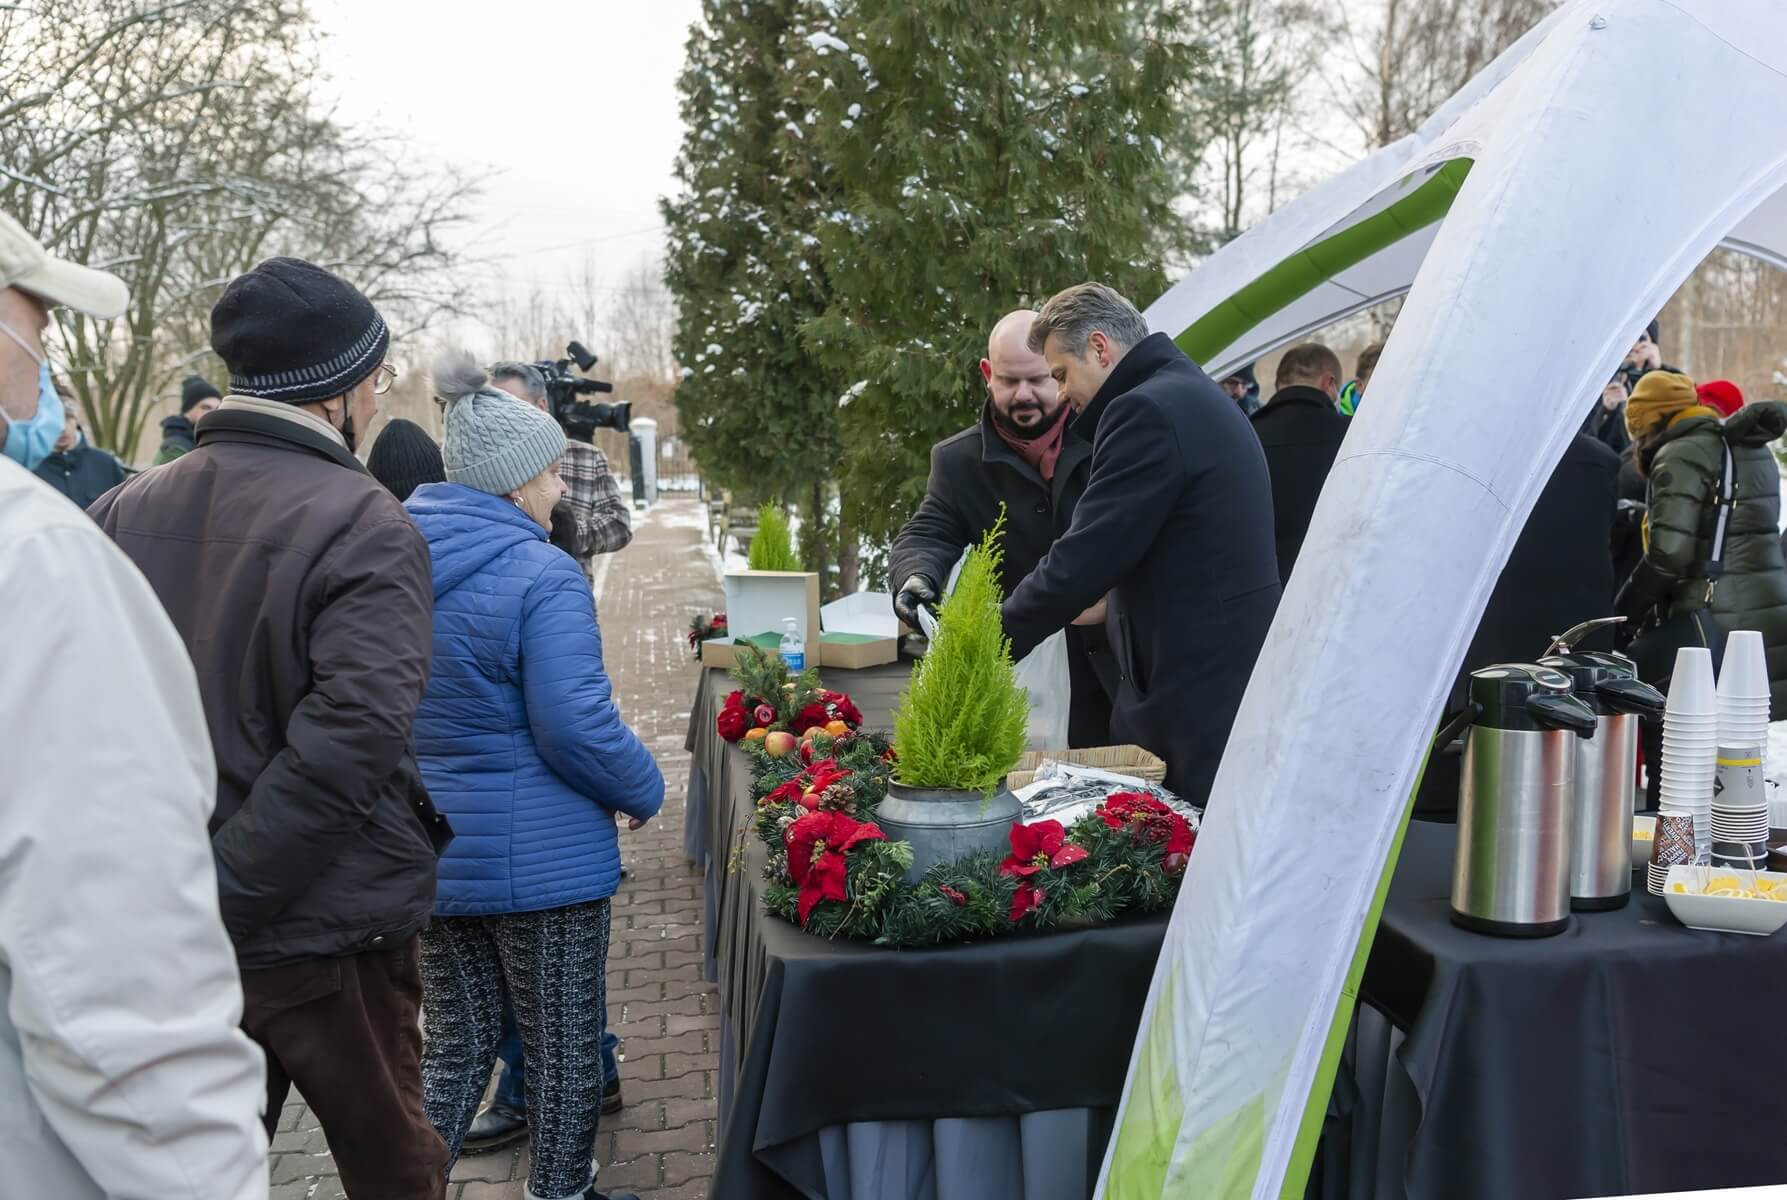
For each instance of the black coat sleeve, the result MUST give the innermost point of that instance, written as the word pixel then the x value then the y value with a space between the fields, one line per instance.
pixel 370 649
pixel 931 541
pixel 1137 475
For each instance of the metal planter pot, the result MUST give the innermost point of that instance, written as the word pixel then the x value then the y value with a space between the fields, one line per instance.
pixel 944 824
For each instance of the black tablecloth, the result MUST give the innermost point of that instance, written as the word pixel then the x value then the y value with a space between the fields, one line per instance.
pixel 840 1032
pixel 1627 1054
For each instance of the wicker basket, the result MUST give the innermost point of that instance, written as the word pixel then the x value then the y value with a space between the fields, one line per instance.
pixel 1125 760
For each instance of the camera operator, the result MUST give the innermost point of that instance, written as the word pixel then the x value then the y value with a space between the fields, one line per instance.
pixel 593 518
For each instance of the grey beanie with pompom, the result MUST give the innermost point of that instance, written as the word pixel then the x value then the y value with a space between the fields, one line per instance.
pixel 494 442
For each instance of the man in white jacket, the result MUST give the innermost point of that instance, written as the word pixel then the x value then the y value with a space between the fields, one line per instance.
pixel 122 1071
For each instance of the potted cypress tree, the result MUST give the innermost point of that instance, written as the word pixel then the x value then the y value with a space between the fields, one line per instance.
pixel 960 727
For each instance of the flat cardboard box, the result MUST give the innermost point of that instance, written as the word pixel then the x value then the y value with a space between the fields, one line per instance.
pixel 853 651
pixel 757 602
pixel 722 652
pixel 860 630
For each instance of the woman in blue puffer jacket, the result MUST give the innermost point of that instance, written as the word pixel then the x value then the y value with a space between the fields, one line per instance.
pixel 522 747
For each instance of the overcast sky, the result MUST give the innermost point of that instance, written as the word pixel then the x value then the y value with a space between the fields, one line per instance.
pixel 570 106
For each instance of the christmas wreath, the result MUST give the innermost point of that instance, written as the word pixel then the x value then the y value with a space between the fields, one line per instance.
pixel 832 871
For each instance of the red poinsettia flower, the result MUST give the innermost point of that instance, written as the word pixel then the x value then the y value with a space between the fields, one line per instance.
pixel 817 847
pixel 1039 846
pixel 1027 897
pixel 842 705
pixel 954 894
pixel 787 793
pixel 731 724
pixel 719 621
pixel 1149 820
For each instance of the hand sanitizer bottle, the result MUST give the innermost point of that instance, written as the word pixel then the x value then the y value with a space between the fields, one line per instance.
pixel 793 650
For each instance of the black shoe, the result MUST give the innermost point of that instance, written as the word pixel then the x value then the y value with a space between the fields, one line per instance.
pixel 495 1127
pixel 593 1194
pixel 611 1100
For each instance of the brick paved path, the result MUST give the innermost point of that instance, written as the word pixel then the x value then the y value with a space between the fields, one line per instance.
pixel 661 1144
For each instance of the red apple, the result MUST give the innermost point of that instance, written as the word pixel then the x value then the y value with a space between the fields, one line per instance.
pixel 779 742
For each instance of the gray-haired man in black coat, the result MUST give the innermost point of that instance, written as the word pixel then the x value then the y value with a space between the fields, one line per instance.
pixel 1174 531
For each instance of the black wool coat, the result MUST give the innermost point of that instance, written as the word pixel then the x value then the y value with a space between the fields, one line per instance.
pixel 1176 524
pixel 972 473
pixel 1300 430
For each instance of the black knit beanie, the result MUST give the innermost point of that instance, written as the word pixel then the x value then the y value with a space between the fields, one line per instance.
pixel 404 457
pixel 289 330
pixel 194 389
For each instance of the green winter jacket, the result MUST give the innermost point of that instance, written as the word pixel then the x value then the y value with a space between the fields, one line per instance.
pixel 1751 592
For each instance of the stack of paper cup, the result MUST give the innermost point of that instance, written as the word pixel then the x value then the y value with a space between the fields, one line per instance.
pixel 1743 692
pixel 1691 744
pixel 1740 801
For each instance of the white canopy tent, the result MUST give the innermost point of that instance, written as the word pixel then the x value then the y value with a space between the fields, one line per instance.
pixel 1522 221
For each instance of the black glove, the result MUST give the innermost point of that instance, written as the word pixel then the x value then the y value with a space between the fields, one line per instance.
pixel 915 591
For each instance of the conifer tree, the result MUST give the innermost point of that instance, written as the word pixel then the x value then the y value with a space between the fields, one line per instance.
pixel 759 409
pixel 986 153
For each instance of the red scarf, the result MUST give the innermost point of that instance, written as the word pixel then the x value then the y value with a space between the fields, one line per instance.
pixel 1041 451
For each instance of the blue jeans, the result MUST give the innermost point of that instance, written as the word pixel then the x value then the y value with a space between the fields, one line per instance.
pixel 511 1085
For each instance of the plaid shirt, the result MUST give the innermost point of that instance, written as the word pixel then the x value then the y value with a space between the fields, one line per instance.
pixel 604 520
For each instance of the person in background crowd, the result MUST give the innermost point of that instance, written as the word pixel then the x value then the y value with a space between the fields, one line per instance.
pixel 197 397
pixel 1300 429
pixel 522 745
pixel 1243 388
pixel 594 517
pixel 1722 396
pixel 1559 574
pixel 122 1070
pixel 1646 355
pixel 1347 402
pixel 1676 597
pixel 1606 422
pixel 1175 526
pixel 403 458
pixel 301 588
pixel 1018 456
pixel 79 471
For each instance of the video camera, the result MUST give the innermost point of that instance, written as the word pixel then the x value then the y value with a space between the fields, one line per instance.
pixel 579 418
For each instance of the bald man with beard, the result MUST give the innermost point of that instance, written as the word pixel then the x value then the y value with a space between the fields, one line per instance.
pixel 1023 454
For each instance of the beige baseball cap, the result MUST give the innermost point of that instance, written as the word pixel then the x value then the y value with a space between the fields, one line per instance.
pixel 26 265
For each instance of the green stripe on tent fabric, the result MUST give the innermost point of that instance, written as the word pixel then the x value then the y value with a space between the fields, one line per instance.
pixel 1308 269
pixel 1309 1131
pixel 1144 1144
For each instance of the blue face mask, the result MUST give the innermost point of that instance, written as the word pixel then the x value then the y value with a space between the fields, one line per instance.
pixel 28 443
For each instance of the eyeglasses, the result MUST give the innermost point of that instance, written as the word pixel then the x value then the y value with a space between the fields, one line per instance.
pixel 384 377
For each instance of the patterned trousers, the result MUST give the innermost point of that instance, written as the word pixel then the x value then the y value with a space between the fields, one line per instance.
pixel 554 965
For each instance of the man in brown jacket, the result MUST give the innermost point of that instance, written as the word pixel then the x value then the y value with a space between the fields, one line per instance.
pixel 303 592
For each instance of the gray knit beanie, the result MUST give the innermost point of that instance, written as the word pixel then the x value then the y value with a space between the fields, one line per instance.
pixel 494 442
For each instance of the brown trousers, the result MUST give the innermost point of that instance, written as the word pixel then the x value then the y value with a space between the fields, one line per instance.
pixel 345 1031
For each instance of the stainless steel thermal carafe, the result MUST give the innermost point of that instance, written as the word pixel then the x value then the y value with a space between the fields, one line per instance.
pixel 1512 872
pixel 1606 764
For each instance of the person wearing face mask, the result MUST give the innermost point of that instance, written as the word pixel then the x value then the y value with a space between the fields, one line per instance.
pixel 79 470
pixel 122 1070
pixel 523 748
pixel 1020 455
pixel 301 588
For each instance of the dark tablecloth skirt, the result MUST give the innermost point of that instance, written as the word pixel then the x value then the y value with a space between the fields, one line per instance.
pixel 852 1072
pixel 1603 1061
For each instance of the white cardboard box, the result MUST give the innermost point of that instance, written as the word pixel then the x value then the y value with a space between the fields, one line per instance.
pixel 759 601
